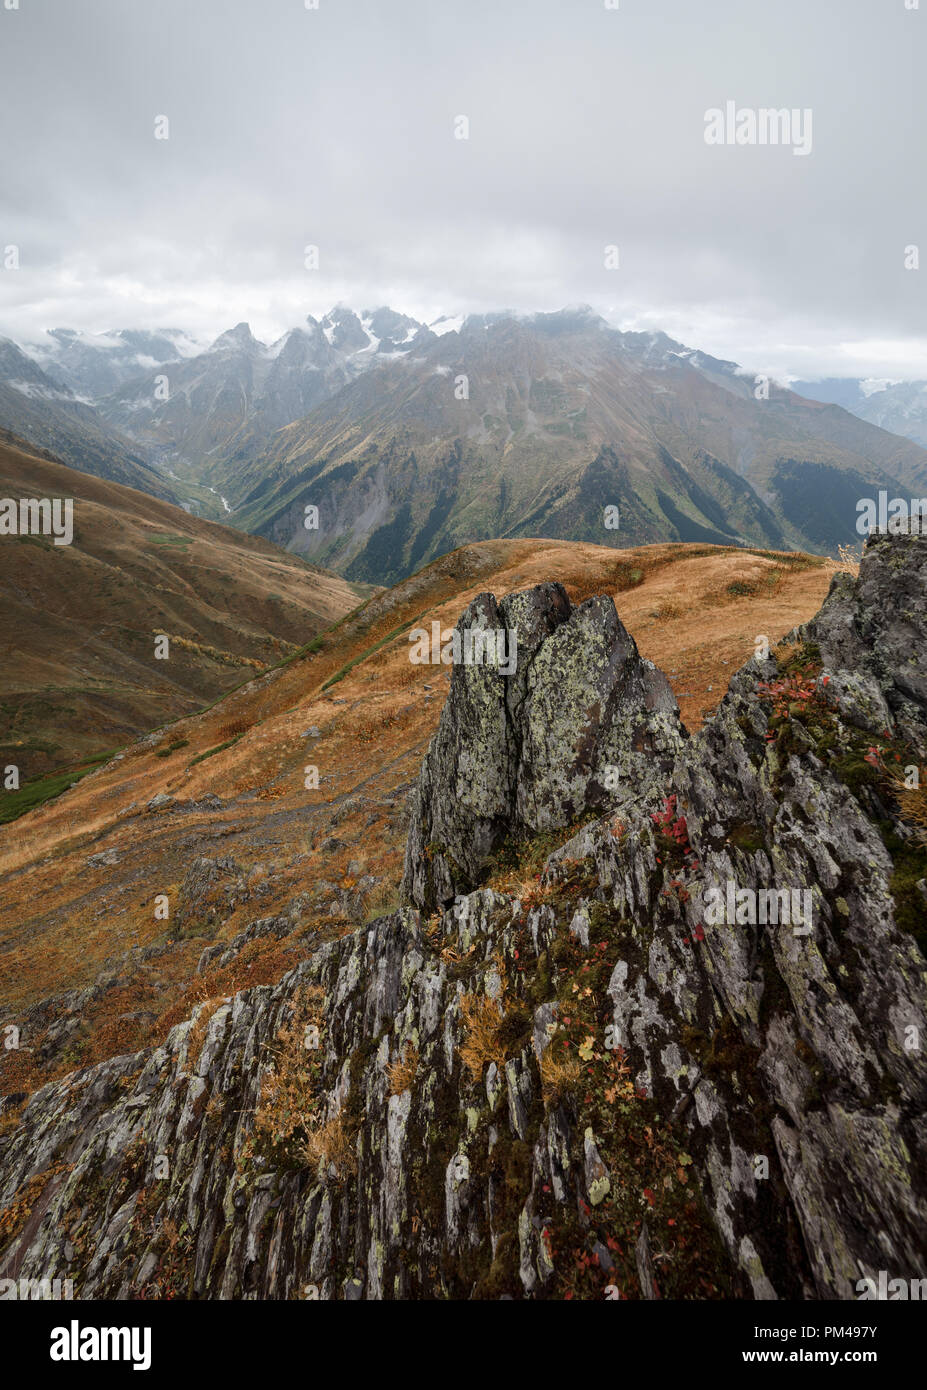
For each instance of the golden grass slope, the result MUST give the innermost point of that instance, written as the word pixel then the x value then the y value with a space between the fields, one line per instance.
pixel 78 672
pixel 694 610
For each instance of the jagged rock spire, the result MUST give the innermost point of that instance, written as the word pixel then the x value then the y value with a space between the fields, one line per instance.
pixel 581 723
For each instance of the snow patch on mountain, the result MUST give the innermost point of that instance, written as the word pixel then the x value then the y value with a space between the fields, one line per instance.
pixel 443 325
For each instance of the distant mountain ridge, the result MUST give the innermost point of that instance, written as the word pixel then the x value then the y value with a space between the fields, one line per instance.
pixel 45 411
pixel 228 400
pixel 412 439
pixel 898 406
pixel 511 426
pixel 94 364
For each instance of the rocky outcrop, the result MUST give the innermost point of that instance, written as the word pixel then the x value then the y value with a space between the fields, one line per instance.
pixel 582 721
pixel 583 1074
pixel 222 953
pixel 60 1021
pixel 209 893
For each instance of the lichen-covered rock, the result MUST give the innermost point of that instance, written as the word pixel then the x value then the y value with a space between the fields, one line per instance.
pixel 580 723
pixel 610 1081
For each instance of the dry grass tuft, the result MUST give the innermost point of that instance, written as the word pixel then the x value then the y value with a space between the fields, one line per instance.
pixel 667 612
pixel 432 928
pixel 483 1043
pixel 495 1028
pixel 559 1075
pixel 401 1073
pixel 912 802
pixel 531 892
pixel 284 1115
pixel 514 883
pixel 197 1034
pixel 848 561
pixel 380 901
pixel 330 1143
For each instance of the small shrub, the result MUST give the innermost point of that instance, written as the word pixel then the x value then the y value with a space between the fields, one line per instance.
pixel 792 695
pixel 235 728
pixel 191 929
pixel 172 747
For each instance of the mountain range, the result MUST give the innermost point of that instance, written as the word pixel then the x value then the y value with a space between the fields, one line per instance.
pixel 563 418
pixel 411 439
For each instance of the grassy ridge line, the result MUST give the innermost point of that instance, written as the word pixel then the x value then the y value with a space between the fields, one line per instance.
pixel 19 803
pixel 396 632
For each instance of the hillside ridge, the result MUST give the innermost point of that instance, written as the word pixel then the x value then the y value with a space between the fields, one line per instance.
pixel 573 1076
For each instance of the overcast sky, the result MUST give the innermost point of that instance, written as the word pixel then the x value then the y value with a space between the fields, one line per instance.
pixel 335 127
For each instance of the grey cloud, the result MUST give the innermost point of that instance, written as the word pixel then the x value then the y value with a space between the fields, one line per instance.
pixel 334 127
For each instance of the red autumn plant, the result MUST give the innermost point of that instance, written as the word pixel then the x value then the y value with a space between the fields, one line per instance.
pixel 672 824
pixel 792 690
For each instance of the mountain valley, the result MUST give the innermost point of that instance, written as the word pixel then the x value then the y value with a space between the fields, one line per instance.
pixel 80 669
pixel 411 439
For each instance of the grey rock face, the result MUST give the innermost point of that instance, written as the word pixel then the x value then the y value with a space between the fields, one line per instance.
pixel 221 954
pixel 776 1070
pixel 209 891
pixel 105 858
pixel 581 724
pixel 874 631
